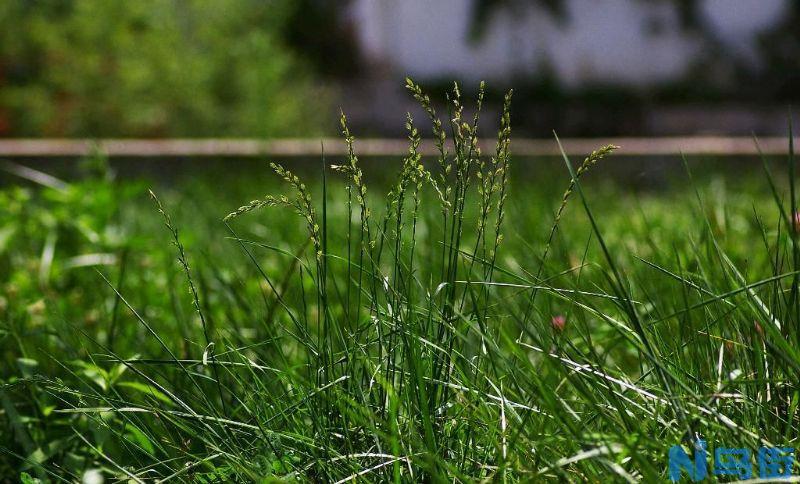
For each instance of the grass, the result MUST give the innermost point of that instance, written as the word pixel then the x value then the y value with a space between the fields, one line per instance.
pixel 450 325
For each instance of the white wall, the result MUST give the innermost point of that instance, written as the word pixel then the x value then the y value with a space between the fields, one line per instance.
pixel 603 40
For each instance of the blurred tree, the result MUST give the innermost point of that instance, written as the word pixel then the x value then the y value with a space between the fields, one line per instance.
pixel 781 50
pixel 319 32
pixel 153 68
pixel 482 10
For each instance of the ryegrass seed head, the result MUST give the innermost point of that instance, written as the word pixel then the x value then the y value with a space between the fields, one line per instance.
pixel 268 201
pixel 594 157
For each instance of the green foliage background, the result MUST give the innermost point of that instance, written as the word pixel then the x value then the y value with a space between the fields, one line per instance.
pixel 153 68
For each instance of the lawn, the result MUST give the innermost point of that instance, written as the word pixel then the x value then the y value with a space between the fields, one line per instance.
pixel 473 317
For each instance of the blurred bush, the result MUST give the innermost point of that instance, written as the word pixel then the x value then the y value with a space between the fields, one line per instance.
pixel 153 68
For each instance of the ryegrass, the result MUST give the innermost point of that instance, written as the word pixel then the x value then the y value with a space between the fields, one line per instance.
pixel 462 327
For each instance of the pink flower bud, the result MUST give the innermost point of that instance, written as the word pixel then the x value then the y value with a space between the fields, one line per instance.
pixel 558 323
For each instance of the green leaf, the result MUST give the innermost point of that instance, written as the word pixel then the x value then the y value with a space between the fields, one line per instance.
pixel 135 435
pixel 146 389
pixel 26 478
pixel 94 373
pixel 27 366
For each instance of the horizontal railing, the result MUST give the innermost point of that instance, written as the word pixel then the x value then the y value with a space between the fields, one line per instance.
pixel 689 145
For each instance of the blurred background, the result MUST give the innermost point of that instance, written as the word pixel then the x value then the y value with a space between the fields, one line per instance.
pixel 250 68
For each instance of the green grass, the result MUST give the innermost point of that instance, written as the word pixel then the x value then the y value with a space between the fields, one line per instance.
pixel 476 322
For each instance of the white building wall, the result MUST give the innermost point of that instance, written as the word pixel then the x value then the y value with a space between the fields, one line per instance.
pixel 621 41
